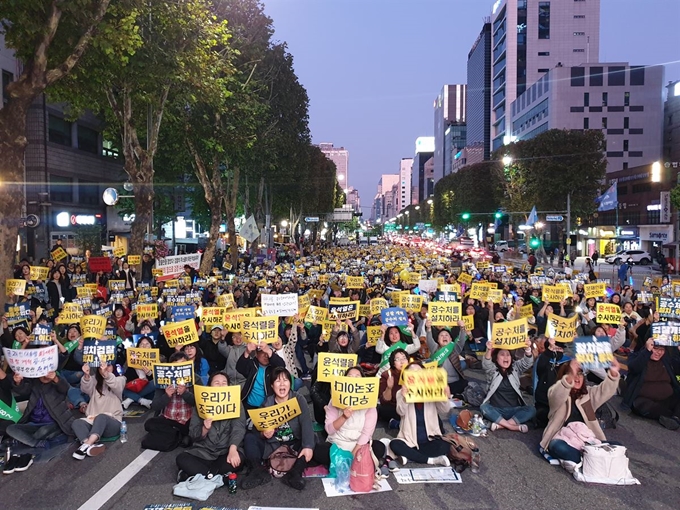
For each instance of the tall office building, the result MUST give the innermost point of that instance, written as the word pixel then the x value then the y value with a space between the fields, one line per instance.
pixel 404 194
pixel 385 184
pixel 671 123
pixel 339 156
pixel 422 181
pixel 478 118
pixel 449 130
pixel 530 37
pixel 353 199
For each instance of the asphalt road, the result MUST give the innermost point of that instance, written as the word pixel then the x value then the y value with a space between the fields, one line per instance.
pixel 512 476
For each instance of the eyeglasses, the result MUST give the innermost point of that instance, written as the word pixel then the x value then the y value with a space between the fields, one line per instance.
pixel 401 358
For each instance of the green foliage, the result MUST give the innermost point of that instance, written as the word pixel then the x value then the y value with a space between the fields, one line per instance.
pixel 675 197
pixel 89 238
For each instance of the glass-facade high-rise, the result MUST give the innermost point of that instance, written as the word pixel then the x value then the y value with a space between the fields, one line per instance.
pixel 479 92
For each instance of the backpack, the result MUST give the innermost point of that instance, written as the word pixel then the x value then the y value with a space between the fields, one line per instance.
pixel 607 416
pixel 461 451
pixel 605 464
pixel 281 461
pixel 474 394
pixel 362 472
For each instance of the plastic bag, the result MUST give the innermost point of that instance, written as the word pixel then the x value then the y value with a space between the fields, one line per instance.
pixel 337 454
pixel 342 470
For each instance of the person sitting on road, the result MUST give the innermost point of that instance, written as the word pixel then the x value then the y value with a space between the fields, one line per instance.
pixel 616 340
pixel 104 411
pixel 256 365
pixel 232 348
pixel 296 434
pixel 547 366
pixel 140 391
pixel 216 445
pixel 451 361
pixel 389 386
pixel 395 336
pixel 571 400
pixel 653 390
pixel 340 341
pixel 201 367
pixel 504 405
pixel 348 429
pixel 209 344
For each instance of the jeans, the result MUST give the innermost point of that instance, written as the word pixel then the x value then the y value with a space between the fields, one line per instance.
pixel 425 451
pixel 72 376
pixel 102 426
pixel 193 465
pixel 519 414
pixel 147 391
pixel 297 383
pixel 562 451
pixel 31 433
pixel 654 409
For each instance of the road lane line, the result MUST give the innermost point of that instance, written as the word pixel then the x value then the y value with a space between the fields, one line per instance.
pixel 102 496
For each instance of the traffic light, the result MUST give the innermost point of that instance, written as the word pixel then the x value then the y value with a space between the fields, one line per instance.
pixel 466 216
pixel 534 243
pixel 498 215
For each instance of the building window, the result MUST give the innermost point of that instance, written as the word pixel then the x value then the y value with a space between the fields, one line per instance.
pixel 543 53
pixel 596 79
pixel 88 193
pixel 59 130
pixel 586 123
pixel 605 98
pixel 626 99
pixel 61 189
pixel 626 122
pixel 625 165
pixel 579 16
pixel 625 146
pixel 642 187
pixel 616 76
pixel 579 33
pixel 586 99
pixel 109 149
pixel 7 78
pixel 578 77
pixel 88 139
pixel 637 76
pixel 544 70
pixel 544 20
pixel 579 50
pixel 604 122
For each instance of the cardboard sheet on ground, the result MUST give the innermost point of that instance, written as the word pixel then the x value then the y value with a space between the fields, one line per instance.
pixel 331 491
pixel 428 475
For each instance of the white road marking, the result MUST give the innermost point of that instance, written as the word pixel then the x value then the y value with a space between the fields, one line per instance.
pixel 117 482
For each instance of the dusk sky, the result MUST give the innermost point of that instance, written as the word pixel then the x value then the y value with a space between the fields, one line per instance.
pixel 372 68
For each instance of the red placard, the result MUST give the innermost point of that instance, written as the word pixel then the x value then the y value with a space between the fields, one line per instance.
pixel 99 264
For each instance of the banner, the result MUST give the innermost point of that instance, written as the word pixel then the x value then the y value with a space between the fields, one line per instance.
pixel 259 329
pixel 344 311
pixel 147 311
pixel 561 328
pixel 424 385
pixel 173 374
pixel 444 313
pixel 669 307
pixel 377 305
pixel 373 334
pixel 355 392
pixel 593 352
pixel 92 326
pixel 411 302
pixel 269 418
pixel 510 335
pixel 218 402
pixel 354 282
pixel 173 265
pixel 99 352
pixel 279 305
pixel 554 293
pixel 40 273
pixel 180 333
pixel 142 358
pixel 666 333
pixel 595 290
pixel 333 365
pixel 42 335
pixel 394 317
pixel 99 264
pixel 32 363
pixel 212 316
pixel 607 313
pixel 16 287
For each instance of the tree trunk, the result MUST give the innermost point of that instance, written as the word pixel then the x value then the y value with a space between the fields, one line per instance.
pixel 142 181
pixel 230 211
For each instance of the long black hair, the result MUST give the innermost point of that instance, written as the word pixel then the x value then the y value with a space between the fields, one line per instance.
pixel 504 372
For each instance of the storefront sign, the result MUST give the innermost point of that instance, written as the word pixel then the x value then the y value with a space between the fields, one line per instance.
pixel 657 233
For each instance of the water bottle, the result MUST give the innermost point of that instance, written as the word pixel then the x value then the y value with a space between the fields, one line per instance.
pixel 232 483
pixel 123 432
pixel 476 426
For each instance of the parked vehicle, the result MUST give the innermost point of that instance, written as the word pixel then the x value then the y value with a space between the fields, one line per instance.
pixel 501 246
pixel 638 256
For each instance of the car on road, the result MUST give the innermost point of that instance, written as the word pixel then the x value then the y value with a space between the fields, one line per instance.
pixel 501 246
pixel 638 256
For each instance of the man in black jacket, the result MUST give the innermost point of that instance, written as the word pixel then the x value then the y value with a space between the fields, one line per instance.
pixel 256 365
pixel 653 390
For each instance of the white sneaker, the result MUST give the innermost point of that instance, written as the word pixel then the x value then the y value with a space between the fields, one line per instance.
pixel 442 460
pixel 145 402
pixel 126 403
pixel 81 452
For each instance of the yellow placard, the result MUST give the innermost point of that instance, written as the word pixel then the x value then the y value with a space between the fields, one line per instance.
pixel 303 304
pixel 479 291
pixel 424 385
pixel 595 290
pixel 510 335
pixel 147 311
pixel 364 310
pixel 451 287
pixel 232 319
pixel 413 279
pixel 84 292
pixel 444 313
pixel 482 264
pixel 316 314
pixel 395 297
pixel 157 272
pixel 373 334
pixel 324 279
pixel 495 295
pixel 411 302
pixel 40 273
pixel 119 252
pixel 16 287
pixel 268 418
pixel 469 321
pixel 332 365
pixel 212 316
pixel 355 392
pixel 70 314
pixel 218 402
pixel 327 328
pixel 561 329
pixel 134 260
pixel 261 283
pixel 59 253
pixel 607 313
pixel 335 300
pixel 180 333
pixel 378 304
pixel 465 278
pixel 226 300
pixel 92 326
pixel 554 293
pixel 117 285
pixel 354 282
pixel 259 329
pixel 142 358
pixel 344 311
pixel 526 311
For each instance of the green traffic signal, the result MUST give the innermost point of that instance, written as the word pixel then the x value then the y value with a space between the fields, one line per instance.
pixel 498 215
pixel 466 216
pixel 534 243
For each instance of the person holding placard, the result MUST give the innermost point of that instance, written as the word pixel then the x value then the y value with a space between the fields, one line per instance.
pixel 393 336
pixel 419 429
pixel 216 444
pixel 349 428
pixel 209 344
pixel 201 367
pixel 104 411
pixel 256 365
pixel 297 434
pixel 389 386
pixel 447 355
pixel 504 405
pixel 543 314
pixel 340 340
pixel 547 365
pixel 616 340
pixel 232 348
pixel 652 389
pixel 139 391
pixel 572 401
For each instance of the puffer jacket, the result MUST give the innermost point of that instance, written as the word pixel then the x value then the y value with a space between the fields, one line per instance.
pixel 221 436
pixel 54 398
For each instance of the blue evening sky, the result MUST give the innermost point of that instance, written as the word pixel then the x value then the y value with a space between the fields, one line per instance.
pixel 372 68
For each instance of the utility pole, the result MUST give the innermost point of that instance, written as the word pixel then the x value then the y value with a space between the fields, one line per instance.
pixel 568 216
